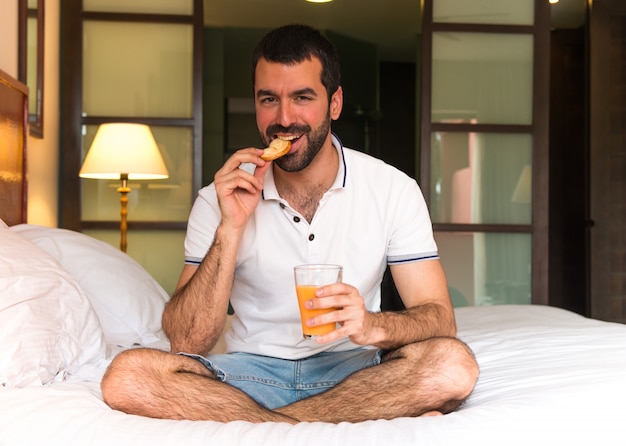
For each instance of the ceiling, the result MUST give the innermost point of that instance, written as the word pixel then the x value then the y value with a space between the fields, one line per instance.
pixel 393 29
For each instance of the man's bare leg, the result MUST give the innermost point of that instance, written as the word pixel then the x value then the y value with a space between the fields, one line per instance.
pixel 418 379
pixel 427 378
pixel 157 384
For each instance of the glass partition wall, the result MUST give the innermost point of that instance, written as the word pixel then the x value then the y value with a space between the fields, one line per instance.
pixel 481 69
pixel 136 62
pixel 484 144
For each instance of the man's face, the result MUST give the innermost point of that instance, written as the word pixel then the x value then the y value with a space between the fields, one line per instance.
pixel 292 102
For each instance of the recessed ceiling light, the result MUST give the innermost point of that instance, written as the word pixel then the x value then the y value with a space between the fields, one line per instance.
pixel 319 1
pixel 554 1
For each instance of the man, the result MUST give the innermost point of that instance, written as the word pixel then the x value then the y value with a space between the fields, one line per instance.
pixel 321 203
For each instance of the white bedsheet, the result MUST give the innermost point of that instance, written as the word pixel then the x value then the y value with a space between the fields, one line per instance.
pixel 547 377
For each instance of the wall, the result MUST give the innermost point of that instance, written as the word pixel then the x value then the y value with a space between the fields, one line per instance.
pixel 43 154
pixel 568 172
pixel 8 37
pixel 607 159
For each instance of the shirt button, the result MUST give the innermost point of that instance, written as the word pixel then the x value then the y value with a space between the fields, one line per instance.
pixel 311 237
pixel 282 205
pixel 296 219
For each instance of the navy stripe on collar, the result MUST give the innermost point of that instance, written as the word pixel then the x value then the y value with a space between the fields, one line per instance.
pixel 343 158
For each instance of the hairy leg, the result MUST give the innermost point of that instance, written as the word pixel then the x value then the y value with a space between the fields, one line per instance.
pixel 419 379
pixel 431 376
pixel 158 384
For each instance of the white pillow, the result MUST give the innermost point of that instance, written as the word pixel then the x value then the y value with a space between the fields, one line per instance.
pixel 48 330
pixel 128 301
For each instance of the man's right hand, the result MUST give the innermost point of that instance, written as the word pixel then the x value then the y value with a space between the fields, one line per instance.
pixel 238 191
pixel 194 317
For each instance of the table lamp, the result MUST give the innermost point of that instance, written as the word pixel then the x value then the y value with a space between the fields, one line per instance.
pixel 123 151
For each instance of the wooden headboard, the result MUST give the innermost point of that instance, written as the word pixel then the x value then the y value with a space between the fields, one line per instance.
pixel 13 131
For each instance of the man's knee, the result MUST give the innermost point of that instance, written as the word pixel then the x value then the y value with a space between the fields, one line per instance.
pixel 135 376
pixel 126 377
pixel 461 366
pixel 118 377
pixel 447 363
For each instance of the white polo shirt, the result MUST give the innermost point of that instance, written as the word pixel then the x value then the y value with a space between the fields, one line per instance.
pixel 373 215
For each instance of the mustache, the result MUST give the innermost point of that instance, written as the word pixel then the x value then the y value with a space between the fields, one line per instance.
pixel 295 129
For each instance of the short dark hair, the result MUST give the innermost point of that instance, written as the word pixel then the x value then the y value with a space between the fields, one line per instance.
pixel 293 44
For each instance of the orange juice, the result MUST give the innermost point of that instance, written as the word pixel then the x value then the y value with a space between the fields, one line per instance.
pixel 307 292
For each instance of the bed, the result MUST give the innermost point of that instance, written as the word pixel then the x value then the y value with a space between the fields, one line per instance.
pixel 70 303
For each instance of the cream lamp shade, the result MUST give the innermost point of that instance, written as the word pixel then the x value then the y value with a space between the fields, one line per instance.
pixel 123 151
pixel 124 148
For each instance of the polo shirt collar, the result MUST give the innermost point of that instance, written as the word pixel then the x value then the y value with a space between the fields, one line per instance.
pixel 269 186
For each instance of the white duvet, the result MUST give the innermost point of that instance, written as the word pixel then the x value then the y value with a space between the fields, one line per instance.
pixel 68 303
pixel 548 376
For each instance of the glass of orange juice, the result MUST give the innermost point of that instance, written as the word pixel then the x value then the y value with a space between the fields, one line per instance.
pixel 308 279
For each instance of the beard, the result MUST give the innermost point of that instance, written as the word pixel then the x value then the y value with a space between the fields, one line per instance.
pixel 300 160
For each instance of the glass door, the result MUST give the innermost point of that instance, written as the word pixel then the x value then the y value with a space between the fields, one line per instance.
pixel 484 146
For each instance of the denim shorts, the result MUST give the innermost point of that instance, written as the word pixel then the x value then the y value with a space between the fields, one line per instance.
pixel 274 382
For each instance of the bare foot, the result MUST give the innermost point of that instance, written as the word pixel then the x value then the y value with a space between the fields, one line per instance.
pixel 431 413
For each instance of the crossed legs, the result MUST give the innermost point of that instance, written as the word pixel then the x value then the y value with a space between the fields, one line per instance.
pixel 432 375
